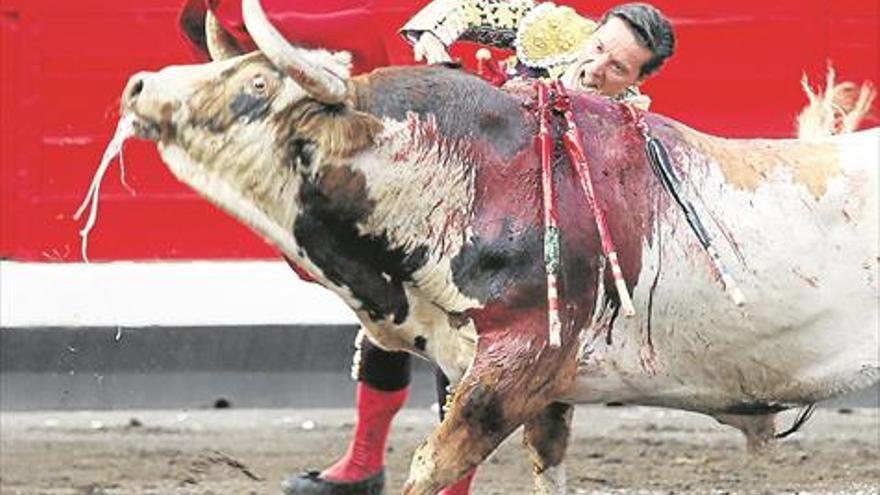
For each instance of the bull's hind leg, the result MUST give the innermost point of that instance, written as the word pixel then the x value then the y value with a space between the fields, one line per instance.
pixel 514 376
pixel 546 439
pixel 759 429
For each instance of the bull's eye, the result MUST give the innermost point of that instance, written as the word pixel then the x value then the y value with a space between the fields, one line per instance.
pixel 259 83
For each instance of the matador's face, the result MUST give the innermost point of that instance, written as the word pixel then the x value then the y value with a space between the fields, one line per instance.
pixel 610 62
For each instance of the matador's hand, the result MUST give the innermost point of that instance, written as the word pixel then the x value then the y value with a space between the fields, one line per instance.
pixel 430 49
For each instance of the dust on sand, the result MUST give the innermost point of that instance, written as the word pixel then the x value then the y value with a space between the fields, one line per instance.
pixel 240 452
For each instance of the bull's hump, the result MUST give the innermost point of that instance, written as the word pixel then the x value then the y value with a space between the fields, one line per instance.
pixel 464 106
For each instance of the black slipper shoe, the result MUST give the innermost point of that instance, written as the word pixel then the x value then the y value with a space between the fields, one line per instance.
pixel 311 483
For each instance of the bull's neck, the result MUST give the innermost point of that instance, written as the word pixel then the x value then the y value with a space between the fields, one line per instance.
pixel 388 214
pixel 417 186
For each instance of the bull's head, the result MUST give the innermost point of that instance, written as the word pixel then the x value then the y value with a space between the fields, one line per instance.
pixel 245 130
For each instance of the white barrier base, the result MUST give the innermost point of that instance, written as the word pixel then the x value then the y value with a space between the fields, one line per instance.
pixel 162 293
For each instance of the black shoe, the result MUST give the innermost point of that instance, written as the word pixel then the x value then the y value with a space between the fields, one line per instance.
pixel 311 483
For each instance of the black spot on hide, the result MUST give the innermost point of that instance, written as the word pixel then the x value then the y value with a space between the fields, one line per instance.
pixel 554 425
pixel 333 205
pixel 487 269
pixel 755 408
pixel 300 153
pixel 450 65
pixel 421 343
pixel 482 410
pixel 249 106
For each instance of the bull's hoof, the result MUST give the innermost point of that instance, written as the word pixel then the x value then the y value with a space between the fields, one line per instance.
pixel 311 483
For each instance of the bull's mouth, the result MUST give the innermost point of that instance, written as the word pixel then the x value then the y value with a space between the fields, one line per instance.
pixel 146 128
pixel 159 130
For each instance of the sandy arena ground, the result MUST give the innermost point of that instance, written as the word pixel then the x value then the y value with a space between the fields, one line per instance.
pixel 241 452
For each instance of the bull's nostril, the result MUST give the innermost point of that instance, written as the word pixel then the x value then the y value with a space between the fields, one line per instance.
pixel 136 88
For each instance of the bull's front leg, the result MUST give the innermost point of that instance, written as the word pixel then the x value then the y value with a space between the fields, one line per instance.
pixel 514 376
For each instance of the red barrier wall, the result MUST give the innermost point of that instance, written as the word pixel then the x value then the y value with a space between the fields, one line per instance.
pixel 63 65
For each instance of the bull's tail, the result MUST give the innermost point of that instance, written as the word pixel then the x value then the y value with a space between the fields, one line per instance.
pixel 839 108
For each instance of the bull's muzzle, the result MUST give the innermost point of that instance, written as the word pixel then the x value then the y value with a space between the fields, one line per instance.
pixel 152 111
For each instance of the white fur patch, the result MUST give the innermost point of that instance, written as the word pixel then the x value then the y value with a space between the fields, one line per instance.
pixel 808 269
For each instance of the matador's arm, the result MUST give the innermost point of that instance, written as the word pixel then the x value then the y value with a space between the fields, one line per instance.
pixel 488 22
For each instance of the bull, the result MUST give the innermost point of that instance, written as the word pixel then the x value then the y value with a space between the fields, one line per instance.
pixel 414 195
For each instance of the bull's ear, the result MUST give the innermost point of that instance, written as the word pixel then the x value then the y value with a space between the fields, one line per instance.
pixel 337 63
pixel 343 59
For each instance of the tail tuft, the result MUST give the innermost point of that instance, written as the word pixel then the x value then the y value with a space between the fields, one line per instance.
pixel 837 109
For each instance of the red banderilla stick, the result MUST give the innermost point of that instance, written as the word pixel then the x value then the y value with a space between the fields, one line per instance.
pixel 572 141
pixel 551 217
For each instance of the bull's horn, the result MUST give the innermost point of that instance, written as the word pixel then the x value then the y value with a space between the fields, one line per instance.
pixel 318 81
pixel 221 46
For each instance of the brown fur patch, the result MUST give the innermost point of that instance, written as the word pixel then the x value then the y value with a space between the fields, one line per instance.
pixel 458 320
pixel 166 125
pixel 748 163
pixel 345 186
pixel 338 131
